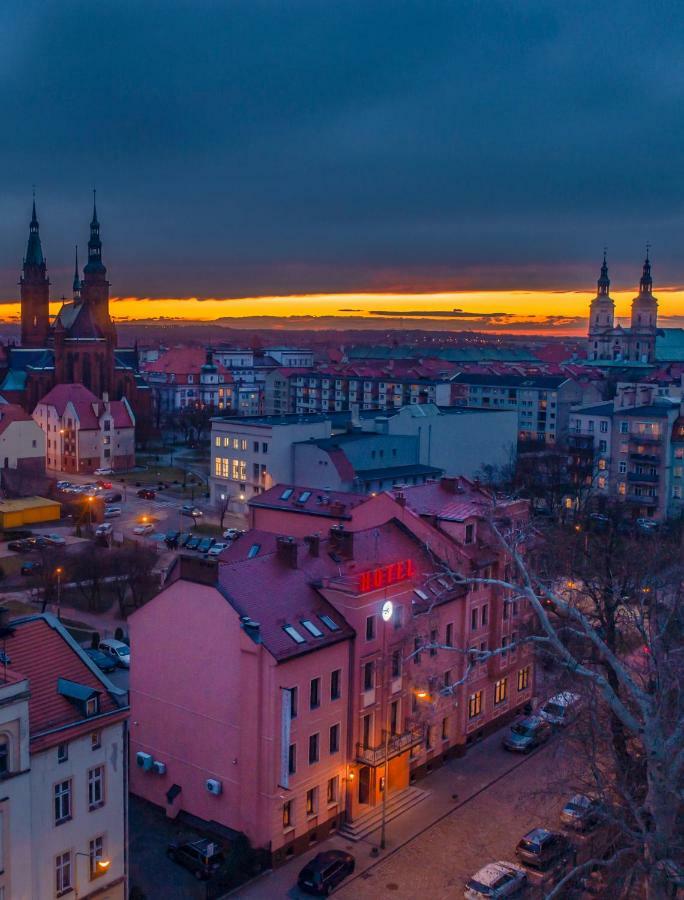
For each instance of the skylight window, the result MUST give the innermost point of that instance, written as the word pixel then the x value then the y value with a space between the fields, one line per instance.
pixel 311 628
pixel 294 634
pixel 303 497
pixel 421 594
pixel 253 551
pixel 326 620
pixel 287 493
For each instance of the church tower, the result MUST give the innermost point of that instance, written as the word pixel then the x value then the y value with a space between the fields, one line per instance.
pixel 644 318
pixel 94 289
pixel 35 291
pixel 601 317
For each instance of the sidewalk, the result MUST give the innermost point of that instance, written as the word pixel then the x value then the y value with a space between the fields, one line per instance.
pixel 451 786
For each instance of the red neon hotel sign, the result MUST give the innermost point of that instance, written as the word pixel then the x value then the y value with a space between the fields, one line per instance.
pixel 386 575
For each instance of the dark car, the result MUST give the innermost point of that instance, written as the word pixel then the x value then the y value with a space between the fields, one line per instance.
pixel 527 734
pixel 184 538
pixel 202 857
pixel 540 848
pixel 193 543
pixel 19 546
pixel 37 543
pixel 325 871
pixel 581 812
pixel 105 663
pixel 112 497
pixel 146 494
pixel 205 544
pixel 171 538
pixel 31 568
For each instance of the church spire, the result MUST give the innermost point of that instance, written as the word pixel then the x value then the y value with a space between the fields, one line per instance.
pixel 646 283
pixel 77 280
pixel 604 281
pixel 34 250
pixel 94 263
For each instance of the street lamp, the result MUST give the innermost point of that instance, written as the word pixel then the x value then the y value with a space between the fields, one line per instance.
pixel 386 612
pixel 90 499
pixel 100 867
pixel 58 572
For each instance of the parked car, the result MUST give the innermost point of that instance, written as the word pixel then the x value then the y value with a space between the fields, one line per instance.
pixel 201 857
pixel 171 538
pixel 527 734
pixel 185 537
pixel 190 510
pixel 61 485
pixel 146 494
pixel 205 544
pixel 105 528
pixel 104 485
pixel 104 471
pixel 37 542
pixel 103 662
pixel 540 848
pixel 218 549
pixel 325 871
pixel 31 568
pixel 232 534
pixel 498 879
pixel 193 542
pixel 561 709
pixel 112 497
pixel 117 650
pixel 55 540
pixel 19 546
pixel 112 511
pixel 146 528
pixel 581 812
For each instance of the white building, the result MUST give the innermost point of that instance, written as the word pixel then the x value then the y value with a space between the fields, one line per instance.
pixel 22 442
pixel 63 745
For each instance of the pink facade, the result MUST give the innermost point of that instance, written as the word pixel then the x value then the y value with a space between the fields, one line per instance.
pixel 382 604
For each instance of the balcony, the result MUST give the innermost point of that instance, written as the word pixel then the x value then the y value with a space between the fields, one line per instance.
pixel 398 743
pixel 645 457
pixel 646 438
pixel 642 500
pixel 643 478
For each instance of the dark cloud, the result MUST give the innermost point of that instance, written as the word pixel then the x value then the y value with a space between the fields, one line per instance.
pixel 259 147
pixel 441 313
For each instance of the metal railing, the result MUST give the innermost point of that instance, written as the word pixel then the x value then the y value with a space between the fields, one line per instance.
pixel 398 743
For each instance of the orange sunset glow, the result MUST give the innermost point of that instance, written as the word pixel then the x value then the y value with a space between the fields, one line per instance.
pixel 521 312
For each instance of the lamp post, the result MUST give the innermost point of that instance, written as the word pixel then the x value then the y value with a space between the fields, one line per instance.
pixel 386 615
pixel 58 573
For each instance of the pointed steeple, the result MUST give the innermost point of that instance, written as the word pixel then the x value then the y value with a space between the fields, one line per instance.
pixel 646 282
pixel 604 281
pixel 34 250
pixel 94 263
pixel 77 280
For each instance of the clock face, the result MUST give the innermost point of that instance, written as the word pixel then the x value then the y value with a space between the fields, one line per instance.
pixel 387 609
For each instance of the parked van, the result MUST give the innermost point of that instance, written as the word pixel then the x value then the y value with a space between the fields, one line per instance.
pixel 561 709
pixel 117 650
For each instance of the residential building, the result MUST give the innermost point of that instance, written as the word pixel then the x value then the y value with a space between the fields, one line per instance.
pixel 22 442
pixel 543 402
pixel 188 376
pixel 83 433
pixel 342 642
pixel 629 449
pixel 63 740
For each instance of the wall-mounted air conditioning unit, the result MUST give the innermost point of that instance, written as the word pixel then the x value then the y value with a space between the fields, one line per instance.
pixel 213 786
pixel 159 767
pixel 144 761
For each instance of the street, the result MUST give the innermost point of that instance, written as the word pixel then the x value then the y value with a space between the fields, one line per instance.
pixel 436 846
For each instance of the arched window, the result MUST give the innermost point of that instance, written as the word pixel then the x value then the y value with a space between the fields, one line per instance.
pixel 5 761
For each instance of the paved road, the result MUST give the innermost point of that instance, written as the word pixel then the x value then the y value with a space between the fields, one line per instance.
pixel 437 845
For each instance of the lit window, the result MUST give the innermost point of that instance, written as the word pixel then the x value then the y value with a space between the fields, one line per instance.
pixel 96 854
pixel 287 814
pixel 500 690
pixel 523 678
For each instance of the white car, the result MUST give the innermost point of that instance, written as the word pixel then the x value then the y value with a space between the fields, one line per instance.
pixel 217 549
pixel 231 534
pixel 104 472
pixel 189 510
pixel 143 529
pixel 111 511
pixel 105 528
pixel 498 879
pixel 55 539
pixel 61 485
pixel 116 650
pixel 561 709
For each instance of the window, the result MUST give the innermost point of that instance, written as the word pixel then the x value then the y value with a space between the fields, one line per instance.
pixel 603 446
pixel 294 634
pixel 336 684
pixel 292 759
pixel 370 628
pixel 62 801
pixel 624 427
pixel 474 704
pixel 311 628
pixel 333 626
pixel 398 616
pixel 334 738
pixel 505 610
pixel 485 614
pixel 500 690
pixel 62 753
pixel 95 740
pixel 96 854
pixel 473 619
pixel 368 680
pixel 4 756
pixel 622 467
pixel 264 449
pixel 366 730
pixel 504 646
pixel 311 801
pixel 603 426
pixel 294 700
pixel 433 640
pixel 396 663
pixel 394 717
pixel 63 873
pixel 523 678
pixel 96 787
pixel 445 729
pixel 313 748
pixel 469 534
pixel 286 494
pixel 449 638
pixel 333 789
pixel 315 693
pixel 416 648
pixel 256 446
pixel 287 814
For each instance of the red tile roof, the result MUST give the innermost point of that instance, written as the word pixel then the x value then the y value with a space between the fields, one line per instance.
pixel 89 410
pixel 329 504
pixel 184 361
pixel 62 394
pixel 43 651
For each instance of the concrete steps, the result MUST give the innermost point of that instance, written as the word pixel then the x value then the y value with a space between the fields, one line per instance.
pixel 396 805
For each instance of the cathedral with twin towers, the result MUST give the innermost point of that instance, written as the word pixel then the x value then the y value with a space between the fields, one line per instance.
pixel 610 342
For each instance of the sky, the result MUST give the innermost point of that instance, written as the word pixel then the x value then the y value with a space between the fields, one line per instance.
pixel 270 158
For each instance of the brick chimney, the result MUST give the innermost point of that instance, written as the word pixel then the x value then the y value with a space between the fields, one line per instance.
pixel 286 550
pixel 342 542
pixel 314 542
pixel 451 484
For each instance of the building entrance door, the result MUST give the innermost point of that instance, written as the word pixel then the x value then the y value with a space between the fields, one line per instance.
pixel 364 784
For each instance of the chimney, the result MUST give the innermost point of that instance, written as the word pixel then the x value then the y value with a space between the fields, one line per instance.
pixel 400 497
pixel 286 550
pixel 314 542
pixel 342 542
pixel 450 483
